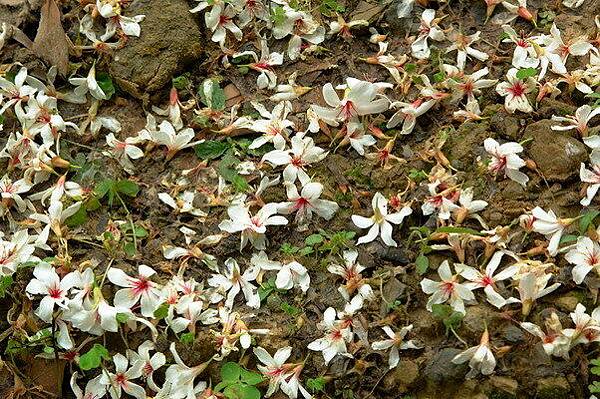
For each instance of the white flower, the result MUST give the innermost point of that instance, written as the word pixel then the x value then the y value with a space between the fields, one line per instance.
pixel 448 289
pixel 524 55
pixel 350 271
pixel 182 203
pixel 17 91
pixel 307 202
pixel 408 113
pixel 515 92
pixel 289 274
pixel 15 252
pixel 505 160
pixel 253 228
pixel 220 20
pixel 462 44
pixel 267 78
pixel 548 224
pixel 467 207
pixel 88 84
pixel 556 45
pixel 301 26
pixel 480 357
pixel 174 140
pixel 124 151
pixel 273 367
pixel 55 290
pixel 428 29
pixel 275 127
pixel 471 85
pixel 182 377
pixel 585 256
pixel 513 11
pixel 137 289
pixel 121 379
pixel 290 91
pixel 94 389
pixel 555 343
pixel 336 336
pixel 587 328
pixel 380 222
pixel 532 287
pixel 232 281
pixel 303 153
pixel 572 3
pixel 11 192
pixel 360 98
pixel 579 121
pixel 54 219
pixel 396 342
pixel 343 28
pixel 592 177
pixel 148 364
pixel 487 280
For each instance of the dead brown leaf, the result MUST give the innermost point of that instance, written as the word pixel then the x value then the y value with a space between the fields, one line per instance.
pixel 51 43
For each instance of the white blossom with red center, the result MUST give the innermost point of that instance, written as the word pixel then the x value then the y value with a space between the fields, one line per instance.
pixel 448 289
pixel 515 92
pixel 335 339
pixel 504 160
pixel 137 289
pixel 46 282
pixel 121 379
pixel 487 280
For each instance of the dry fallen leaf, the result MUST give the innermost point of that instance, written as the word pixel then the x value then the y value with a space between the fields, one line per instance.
pixel 50 42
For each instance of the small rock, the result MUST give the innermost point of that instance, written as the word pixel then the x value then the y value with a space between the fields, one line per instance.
pixel 553 388
pixel 513 334
pixel 557 156
pixel 393 290
pixel 503 387
pixel 507 126
pixel 170 39
pixel 440 369
pixel 474 322
pixel 402 377
pixel 567 303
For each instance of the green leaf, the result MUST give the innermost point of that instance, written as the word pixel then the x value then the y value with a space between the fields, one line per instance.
pixel 106 84
pixel 127 187
pixel 187 338
pixel 212 95
pixel 587 220
pixel 1 119
pixel 78 218
pixel 288 248
pixel 162 311
pixel 278 15
pixel 290 309
pixel 458 230
pixel 526 73
pixel 227 171
pixel 93 358
pixel 569 238
pixel 316 384
pixel 591 95
pixel 230 371
pixel 181 82
pixel 210 149
pixel 410 68
pixel 306 251
pixel 122 318
pixel 239 391
pixel 5 283
pixel 422 264
pixel 103 188
pixel 250 377
pixel 129 249
pixel 140 232
pixel 594 387
pixel 313 239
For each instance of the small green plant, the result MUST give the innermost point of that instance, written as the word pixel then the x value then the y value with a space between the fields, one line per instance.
pixel 420 235
pixel 594 387
pixel 267 288
pixel 316 384
pixel 238 383
pixel 448 316
pixel 93 358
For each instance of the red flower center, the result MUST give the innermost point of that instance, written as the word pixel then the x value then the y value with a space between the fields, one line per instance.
pixel 517 89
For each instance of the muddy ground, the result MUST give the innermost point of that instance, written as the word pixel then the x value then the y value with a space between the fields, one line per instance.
pixel 174 43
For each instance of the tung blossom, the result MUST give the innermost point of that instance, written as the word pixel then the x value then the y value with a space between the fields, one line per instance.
pixel 335 339
pixel 397 342
pixel 515 91
pixel 303 152
pixel 136 289
pixel 505 160
pixel 548 224
pixel 233 281
pixel 427 30
pixel 579 121
pixel 306 202
pixel 585 256
pixel 381 222
pixel 252 228
pixel 480 357
pixel 447 289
